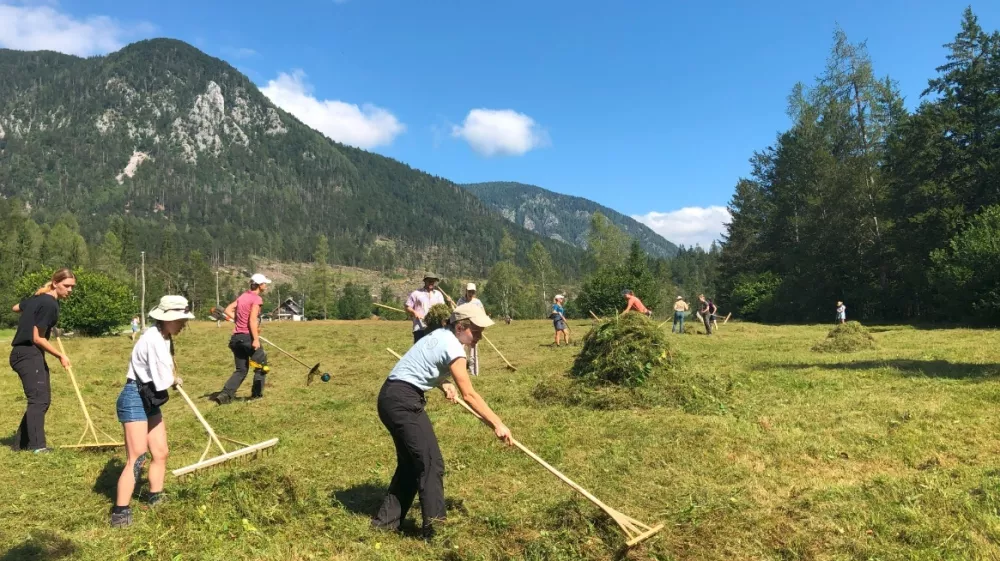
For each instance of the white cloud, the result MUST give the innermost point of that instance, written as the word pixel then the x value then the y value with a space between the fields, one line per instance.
pixel 500 132
pixel 366 127
pixel 42 27
pixel 689 226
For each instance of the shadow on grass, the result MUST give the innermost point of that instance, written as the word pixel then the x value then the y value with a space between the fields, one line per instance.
pixel 41 546
pixel 363 498
pixel 917 368
pixel 8 441
pixel 107 480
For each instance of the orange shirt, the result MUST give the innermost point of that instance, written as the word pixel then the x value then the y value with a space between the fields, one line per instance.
pixel 634 302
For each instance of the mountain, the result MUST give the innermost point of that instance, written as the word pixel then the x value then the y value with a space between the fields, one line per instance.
pixel 174 150
pixel 562 217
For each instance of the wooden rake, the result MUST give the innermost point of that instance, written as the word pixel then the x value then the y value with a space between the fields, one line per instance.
pixel 89 426
pixel 635 531
pixel 248 451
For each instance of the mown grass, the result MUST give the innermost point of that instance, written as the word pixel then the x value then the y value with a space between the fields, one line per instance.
pixel 886 454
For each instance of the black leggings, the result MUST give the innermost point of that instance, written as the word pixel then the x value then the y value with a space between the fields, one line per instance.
pixel 419 464
pixel 29 363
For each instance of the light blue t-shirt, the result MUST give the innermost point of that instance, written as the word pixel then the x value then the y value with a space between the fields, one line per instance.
pixel 428 362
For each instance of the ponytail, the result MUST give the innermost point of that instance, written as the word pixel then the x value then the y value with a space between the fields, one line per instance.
pixel 57 277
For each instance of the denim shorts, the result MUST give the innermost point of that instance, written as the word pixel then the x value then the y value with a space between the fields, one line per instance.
pixel 130 407
pixel 559 324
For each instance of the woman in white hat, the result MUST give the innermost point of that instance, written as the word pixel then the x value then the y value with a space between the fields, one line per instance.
pixel 419 464
pixel 150 373
pixel 473 352
pixel 558 315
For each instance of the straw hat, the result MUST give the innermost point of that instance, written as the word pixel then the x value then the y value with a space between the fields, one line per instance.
pixel 171 308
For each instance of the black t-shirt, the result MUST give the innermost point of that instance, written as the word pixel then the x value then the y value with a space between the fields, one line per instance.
pixel 40 311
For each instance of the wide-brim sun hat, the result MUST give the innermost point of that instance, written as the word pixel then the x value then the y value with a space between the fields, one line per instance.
pixel 473 313
pixel 171 308
pixel 429 276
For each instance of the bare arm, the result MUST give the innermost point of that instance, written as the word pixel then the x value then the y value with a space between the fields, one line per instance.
pixel 43 343
pixel 16 309
pixel 476 401
pixel 231 310
pixel 254 325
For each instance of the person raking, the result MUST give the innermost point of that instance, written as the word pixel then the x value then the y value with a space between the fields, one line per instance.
pixel 150 373
pixel 558 315
pixel 38 316
pixel 635 304
pixel 473 352
pixel 401 408
pixel 420 301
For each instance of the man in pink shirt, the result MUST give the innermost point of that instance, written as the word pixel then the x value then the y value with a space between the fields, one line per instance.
pixel 420 301
pixel 245 341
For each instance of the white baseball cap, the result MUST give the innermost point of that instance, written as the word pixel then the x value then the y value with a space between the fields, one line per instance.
pixel 560 297
pixel 470 286
pixel 260 279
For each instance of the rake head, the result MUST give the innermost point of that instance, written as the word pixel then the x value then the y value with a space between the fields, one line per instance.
pixel 244 455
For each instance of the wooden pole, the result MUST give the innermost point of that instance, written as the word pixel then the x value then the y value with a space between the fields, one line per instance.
pixel 509 365
pixel 389 307
pixel 204 423
pixel 594 315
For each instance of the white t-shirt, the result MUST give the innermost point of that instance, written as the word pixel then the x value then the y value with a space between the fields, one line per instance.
pixel 428 363
pixel 475 301
pixel 151 360
pixel 421 302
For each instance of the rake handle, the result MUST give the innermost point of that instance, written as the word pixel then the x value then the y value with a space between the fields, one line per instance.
pixel 587 494
pixel 83 405
pixel 389 307
pixel 265 339
pixel 204 423
pixel 498 352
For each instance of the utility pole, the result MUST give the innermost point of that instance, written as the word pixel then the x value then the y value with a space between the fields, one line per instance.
pixel 216 288
pixel 142 313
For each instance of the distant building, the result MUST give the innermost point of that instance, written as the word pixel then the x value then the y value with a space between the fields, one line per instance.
pixel 288 310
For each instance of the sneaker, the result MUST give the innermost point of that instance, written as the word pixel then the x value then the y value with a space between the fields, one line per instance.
pixel 121 519
pixel 42 450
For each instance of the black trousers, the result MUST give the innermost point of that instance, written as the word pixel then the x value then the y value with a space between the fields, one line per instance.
pixel 29 363
pixel 707 318
pixel 419 464
pixel 243 352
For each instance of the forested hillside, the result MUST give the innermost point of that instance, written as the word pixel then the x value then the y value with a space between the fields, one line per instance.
pixel 893 212
pixel 562 217
pixel 174 151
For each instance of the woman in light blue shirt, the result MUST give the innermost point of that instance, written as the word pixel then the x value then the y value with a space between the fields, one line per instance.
pixel 401 402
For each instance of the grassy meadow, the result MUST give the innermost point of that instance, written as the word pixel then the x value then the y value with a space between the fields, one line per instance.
pixel 881 454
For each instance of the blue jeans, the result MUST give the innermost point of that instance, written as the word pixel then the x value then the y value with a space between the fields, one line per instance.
pixel 678 323
pixel 130 407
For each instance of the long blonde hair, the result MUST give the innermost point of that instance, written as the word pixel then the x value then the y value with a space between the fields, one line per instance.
pixel 57 277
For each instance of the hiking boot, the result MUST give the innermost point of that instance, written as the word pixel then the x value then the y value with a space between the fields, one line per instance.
pixel 121 519
pixel 223 398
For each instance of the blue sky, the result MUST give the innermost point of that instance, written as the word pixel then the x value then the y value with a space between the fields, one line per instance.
pixel 651 108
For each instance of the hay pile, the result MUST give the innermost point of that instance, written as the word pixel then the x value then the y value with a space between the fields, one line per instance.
pixel 437 317
pixel 846 338
pixel 625 351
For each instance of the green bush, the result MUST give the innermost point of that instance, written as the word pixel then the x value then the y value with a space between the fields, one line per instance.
pixel 624 351
pixel 846 338
pixel 355 302
pixel 99 304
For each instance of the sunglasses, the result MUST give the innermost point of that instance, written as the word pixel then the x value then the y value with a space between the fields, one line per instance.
pixel 186 310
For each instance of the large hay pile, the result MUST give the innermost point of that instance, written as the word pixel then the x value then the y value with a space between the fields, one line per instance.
pixel 624 351
pixel 846 338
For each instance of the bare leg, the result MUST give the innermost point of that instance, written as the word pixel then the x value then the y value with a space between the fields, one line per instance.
pixel 135 446
pixel 158 449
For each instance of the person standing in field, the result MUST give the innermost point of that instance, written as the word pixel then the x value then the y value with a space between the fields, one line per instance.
pixel 558 316
pixel 38 316
pixel 150 373
pixel 401 408
pixel 635 304
pixel 135 327
pixel 473 352
pixel 245 341
pixel 705 312
pixel 420 301
pixel 680 307
pixel 841 312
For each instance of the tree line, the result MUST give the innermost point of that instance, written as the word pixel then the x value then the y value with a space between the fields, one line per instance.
pixel 891 211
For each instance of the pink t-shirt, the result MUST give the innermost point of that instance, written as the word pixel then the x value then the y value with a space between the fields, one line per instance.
pixel 243 305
